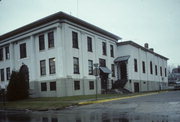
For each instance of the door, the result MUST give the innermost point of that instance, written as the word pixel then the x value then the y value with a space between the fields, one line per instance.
pixel 136 87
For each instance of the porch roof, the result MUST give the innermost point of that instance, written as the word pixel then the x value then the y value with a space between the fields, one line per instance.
pixel 122 58
pixel 105 70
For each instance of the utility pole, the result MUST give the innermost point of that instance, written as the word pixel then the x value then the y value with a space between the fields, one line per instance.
pixel 96 73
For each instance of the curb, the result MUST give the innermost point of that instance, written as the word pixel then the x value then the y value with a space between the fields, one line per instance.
pixel 113 99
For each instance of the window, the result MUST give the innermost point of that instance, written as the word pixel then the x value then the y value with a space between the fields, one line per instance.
pixel 2 74
pixel 7 52
pixel 76 85
pixel 151 67
pixel 52 67
pixel 104 48
pixel 113 70
pixel 91 85
pixel 53 86
pixel 50 39
pixel 43 87
pixel 135 65
pixel 1 54
pixel 161 71
pixel 23 50
pixel 112 50
pixel 76 65
pixel 41 42
pixel 43 67
pixel 143 67
pixel 75 39
pixel 165 72
pixel 89 44
pixel 156 70
pixel 102 62
pixel 90 67
pixel 8 73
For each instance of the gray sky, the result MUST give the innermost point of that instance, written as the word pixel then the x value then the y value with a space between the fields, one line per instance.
pixel 156 22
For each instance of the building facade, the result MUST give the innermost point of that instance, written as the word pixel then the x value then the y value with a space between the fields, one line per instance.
pixel 60 51
pixel 140 67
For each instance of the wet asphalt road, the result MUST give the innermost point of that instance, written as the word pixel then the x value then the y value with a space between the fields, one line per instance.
pixel 162 107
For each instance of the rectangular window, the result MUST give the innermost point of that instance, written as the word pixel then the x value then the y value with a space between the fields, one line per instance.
pixel 143 67
pixel 89 44
pixel 156 70
pixel 7 52
pixel 90 67
pixel 165 72
pixel 135 65
pixel 43 67
pixel 53 86
pixel 1 54
pixel 52 67
pixel 113 70
pixel 76 85
pixel 112 50
pixel 2 74
pixel 104 48
pixel 102 62
pixel 23 50
pixel 151 67
pixel 91 85
pixel 8 73
pixel 75 39
pixel 41 42
pixel 43 87
pixel 51 39
pixel 161 71
pixel 76 65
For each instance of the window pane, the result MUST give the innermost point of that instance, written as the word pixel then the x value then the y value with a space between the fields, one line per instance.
pixel 8 73
pixel 151 67
pixel 41 42
pixel 90 67
pixel 104 48
pixel 7 52
pixel 91 85
pixel 135 65
pixel 75 39
pixel 1 54
pixel 143 66
pixel 53 86
pixel 43 67
pixel 102 62
pixel 113 70
pixel 2 74
pixel 50 39
pixel 23 50
pixel 89 44
pixel 43 87
pixel 112 50
pixel 52 69
pixel 76 85
pixel 76 65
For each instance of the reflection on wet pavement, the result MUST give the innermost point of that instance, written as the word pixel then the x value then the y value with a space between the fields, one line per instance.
pixel 10 116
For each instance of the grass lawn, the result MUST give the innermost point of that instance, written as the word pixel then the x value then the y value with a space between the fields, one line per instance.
pixel 55 103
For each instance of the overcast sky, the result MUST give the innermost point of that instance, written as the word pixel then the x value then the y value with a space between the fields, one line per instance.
pixel 156 22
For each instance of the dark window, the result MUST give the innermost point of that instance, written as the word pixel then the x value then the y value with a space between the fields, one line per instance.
pixel 90 67
pixel 135 65
pixel 89 44
pixel 2 74
pixel 54 120
pixel 112 50
pixel 8 73
pixel 113 70
pixel 1 54
pixel 43 87
pixel 50 39
pixel 7 52
pixel 156 70
pixel 43 67
pixel 102 62
pixel 75 39
pixel 41 42
pixel 151 67
pixel 104 48
pixel 165 72
pixel 161 71
pixel 76 85
pixel 91 85
pixel 52 67
pixel 76 65
pixel 143 67
pixel 53 86
pixel 44 119
pixel 23 50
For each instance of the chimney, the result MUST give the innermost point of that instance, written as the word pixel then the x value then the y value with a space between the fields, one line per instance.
pixel 146 45
pixel 151 49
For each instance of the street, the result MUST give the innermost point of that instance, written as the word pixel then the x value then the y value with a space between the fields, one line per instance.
pixel 162 107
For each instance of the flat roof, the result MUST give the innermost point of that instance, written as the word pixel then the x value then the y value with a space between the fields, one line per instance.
pixel 58 16
pixel 139 46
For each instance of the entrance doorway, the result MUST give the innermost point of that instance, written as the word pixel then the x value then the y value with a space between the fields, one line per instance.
pixel 136 87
